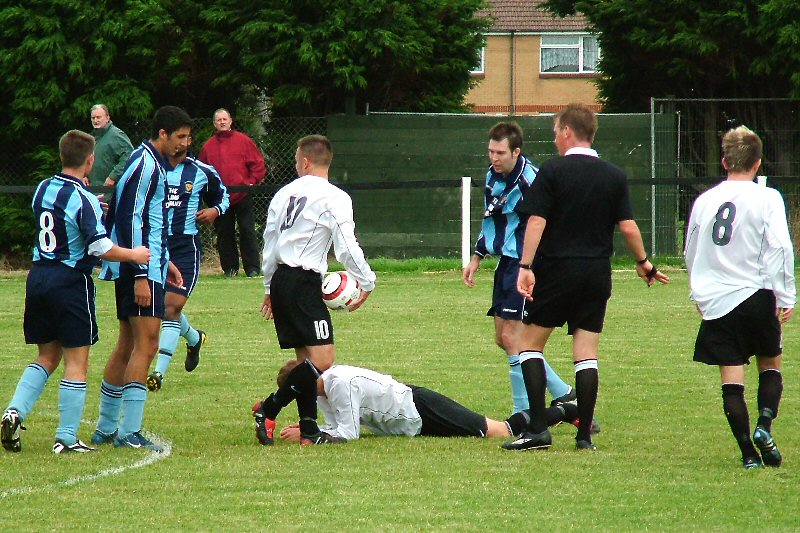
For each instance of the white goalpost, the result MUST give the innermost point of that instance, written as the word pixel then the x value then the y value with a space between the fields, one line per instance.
pixel 466 244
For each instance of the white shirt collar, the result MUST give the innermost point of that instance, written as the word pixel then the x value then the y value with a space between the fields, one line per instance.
pixel 579 150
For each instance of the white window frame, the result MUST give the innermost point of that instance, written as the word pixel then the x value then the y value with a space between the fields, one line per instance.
pixel 579 46
pixel 480 68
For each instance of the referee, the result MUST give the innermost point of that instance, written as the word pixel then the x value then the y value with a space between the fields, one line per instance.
pixel 304 219
pixel 574 205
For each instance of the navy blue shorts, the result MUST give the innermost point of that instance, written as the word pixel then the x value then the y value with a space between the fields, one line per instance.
pixel 507 303
pixel 570 291
pixel 301 317
pixel 126 299
pixel 185 251
pixel 752 328
pixel 59 306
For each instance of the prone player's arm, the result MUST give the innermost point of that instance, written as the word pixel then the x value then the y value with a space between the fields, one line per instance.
pixel 345 405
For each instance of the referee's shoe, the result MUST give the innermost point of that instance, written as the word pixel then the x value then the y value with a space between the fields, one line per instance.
pixel 530 441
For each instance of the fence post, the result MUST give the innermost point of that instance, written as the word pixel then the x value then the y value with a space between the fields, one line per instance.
pixel 466 185
pixel 653 177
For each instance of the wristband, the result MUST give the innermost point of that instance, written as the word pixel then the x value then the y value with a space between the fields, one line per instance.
pixel 524 266
pixel 643 261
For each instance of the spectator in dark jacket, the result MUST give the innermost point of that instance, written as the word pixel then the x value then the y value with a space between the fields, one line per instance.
pixel 111 150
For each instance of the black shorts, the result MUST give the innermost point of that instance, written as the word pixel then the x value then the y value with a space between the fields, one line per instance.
pixel 443 417
pixel 185 251
pixel 570 291
pixel 59 306
pixel 507 302
pixel 301 317
pixel 126 299
pixel 752 328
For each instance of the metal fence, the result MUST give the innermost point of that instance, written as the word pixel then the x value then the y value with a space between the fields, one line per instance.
pixel 685 145
pixel 402 218
pixel 277 139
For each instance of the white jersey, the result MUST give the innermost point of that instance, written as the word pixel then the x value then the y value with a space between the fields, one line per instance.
pixel 359 397
pixel 738 242
pixel 304 219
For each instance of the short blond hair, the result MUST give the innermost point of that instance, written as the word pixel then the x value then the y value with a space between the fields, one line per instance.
pixel 741 149
pixel 317 149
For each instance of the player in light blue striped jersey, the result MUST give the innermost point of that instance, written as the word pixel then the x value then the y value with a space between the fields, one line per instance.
pixel 502 232
pixel 189 182
pixel 59 295
pixel 137 215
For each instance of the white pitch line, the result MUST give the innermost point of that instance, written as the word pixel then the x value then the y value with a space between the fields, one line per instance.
pixel 147 460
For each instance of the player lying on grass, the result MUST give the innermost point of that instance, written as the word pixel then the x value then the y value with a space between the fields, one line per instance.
pixel 351 398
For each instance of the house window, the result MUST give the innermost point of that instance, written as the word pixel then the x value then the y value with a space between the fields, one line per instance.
pixel 569 53
pixel 480 62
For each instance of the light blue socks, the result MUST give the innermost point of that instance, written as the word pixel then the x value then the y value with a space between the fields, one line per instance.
pixel 29 388
pixel 71 400
pixel 134 395
pixel 110 405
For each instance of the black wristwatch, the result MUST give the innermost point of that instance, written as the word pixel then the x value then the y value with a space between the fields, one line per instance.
pixel 525 266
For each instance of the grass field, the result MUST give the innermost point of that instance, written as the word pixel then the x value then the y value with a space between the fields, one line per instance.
pixel 666 460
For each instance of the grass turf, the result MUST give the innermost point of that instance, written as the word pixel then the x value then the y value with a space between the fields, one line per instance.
pixel 666 459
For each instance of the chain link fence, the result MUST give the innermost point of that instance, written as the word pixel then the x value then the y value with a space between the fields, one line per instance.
pixel 686 137
pixel 277 139
pixel 403 171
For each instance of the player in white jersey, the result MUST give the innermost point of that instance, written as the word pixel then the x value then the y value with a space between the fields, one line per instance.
pixel 304 219
pixel 352 398
pixel 741 271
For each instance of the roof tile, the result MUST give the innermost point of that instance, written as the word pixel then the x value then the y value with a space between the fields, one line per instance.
pixel 528 15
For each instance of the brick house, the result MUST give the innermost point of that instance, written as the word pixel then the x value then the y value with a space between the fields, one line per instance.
pixel 534 62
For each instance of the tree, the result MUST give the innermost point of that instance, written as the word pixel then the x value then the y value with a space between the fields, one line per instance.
pixel 310 56
pixel 59 57
pixel 692 48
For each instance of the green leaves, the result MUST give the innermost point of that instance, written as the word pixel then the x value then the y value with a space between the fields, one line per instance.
pixel 59 57
pixel 692 48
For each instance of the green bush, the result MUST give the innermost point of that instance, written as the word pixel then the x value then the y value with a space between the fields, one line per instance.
pixel 16 227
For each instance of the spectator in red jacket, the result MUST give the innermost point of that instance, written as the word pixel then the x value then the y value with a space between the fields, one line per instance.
pixel 239 162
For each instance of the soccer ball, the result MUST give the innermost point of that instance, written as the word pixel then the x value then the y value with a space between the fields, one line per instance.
pixel 339 289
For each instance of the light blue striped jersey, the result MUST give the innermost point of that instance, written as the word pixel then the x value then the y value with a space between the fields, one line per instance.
pixel 137 215
pixel 68 220
pixel 503 232
pixel 187 184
